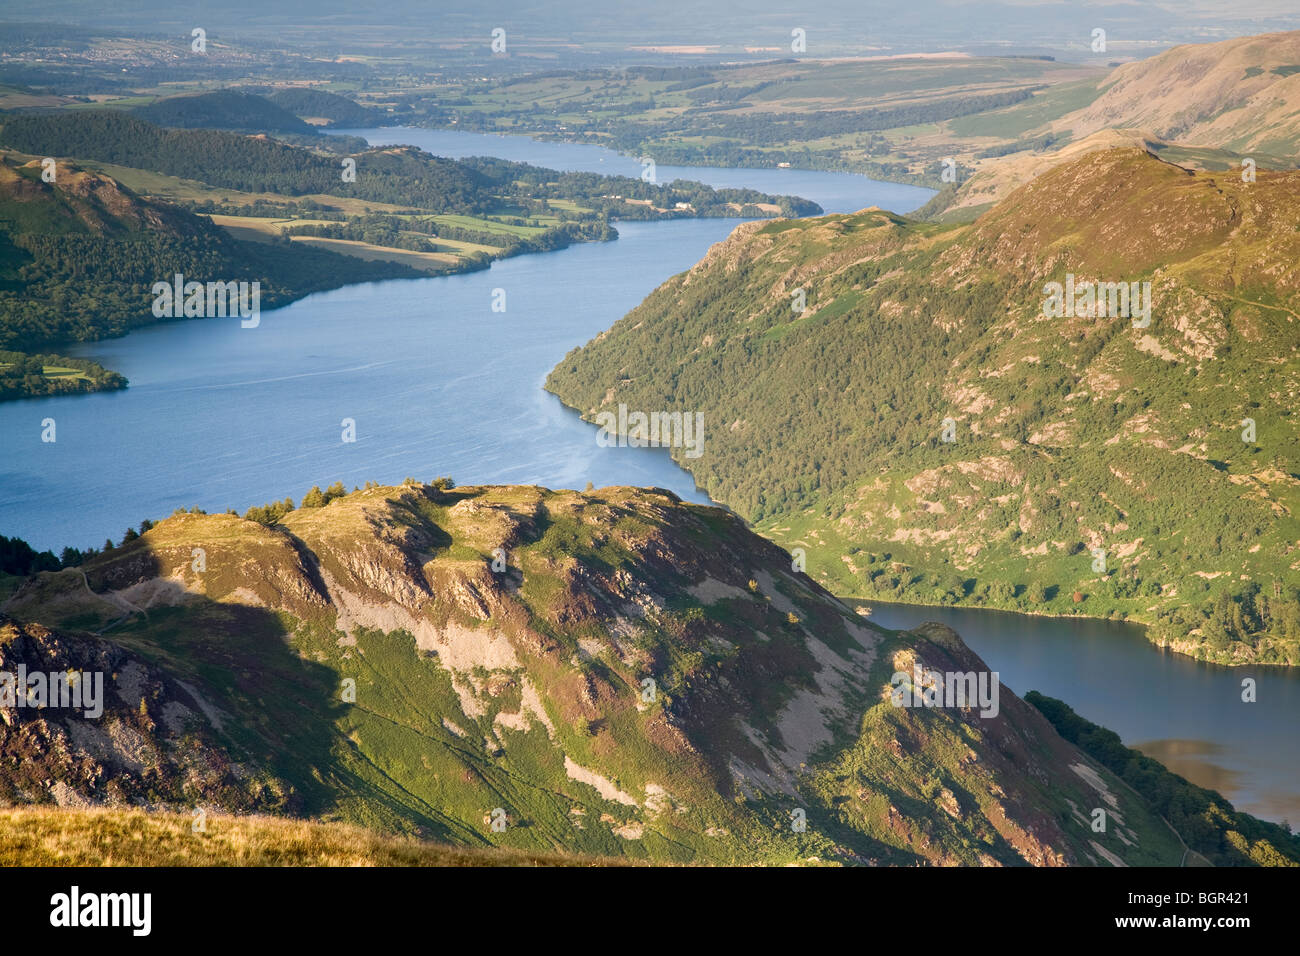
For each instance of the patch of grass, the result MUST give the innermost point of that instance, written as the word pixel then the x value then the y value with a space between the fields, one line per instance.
pixel 44 836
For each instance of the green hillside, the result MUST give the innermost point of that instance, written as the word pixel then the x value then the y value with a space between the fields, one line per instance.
pixel 827 427
pixel 640 678
pixel 323 105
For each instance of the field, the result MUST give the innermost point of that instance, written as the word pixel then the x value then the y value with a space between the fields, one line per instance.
pixel 435 262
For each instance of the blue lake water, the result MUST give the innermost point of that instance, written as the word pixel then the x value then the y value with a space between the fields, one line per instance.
pixel 437 383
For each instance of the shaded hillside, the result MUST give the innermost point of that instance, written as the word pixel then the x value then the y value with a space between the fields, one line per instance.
pixel 79 257
pixel 1069 434
pixel 317 105
pixel 642 677
pixel 224 109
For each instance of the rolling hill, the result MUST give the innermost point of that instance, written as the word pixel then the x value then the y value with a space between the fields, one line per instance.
pixel 328 109
pixel 224 109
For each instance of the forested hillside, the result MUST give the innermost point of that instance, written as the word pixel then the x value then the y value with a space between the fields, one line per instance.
pixel 224 109
pixel 253 164
pixel 1094 467
pixel 79 256
pixel 323 105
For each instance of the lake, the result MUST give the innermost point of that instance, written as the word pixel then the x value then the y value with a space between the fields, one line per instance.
pixel 439 384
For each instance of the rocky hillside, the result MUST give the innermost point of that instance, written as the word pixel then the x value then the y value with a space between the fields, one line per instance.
pixel 615 673
pixel 926 428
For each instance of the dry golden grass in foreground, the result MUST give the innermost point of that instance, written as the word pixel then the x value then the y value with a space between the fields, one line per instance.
pixel 52 836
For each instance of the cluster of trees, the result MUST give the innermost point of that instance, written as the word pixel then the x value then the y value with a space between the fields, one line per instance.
pixel 267 208
pixel 315 498
pixel 1038 144
pixel 1266 619
pixel 271 513
pixel 376 230
pixel 19 557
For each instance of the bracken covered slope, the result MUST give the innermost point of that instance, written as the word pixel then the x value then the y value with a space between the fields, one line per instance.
pixel 1241 94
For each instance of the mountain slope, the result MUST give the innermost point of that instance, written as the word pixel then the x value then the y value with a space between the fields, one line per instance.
pixel 1207 106
pixel 1241 94
pixel 521 694
pixel 1069 434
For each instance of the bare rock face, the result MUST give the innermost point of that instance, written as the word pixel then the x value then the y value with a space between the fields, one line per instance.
pixel 123 733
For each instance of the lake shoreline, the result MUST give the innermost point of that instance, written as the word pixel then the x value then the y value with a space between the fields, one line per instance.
pixel 542 136
pixel 1146 626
